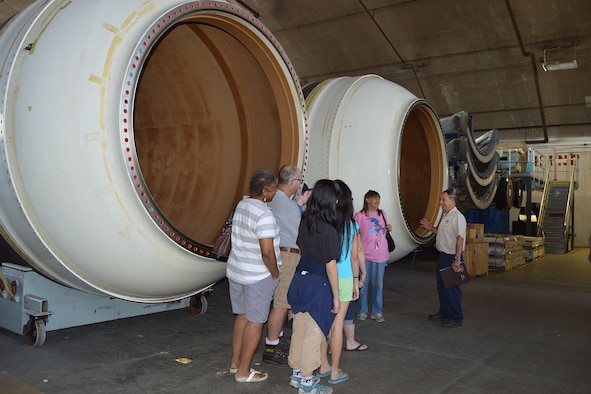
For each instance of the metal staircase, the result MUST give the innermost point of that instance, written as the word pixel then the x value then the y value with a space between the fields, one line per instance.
pixel 556 214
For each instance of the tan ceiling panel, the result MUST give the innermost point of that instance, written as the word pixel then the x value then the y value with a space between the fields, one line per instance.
pixel 347 44
pixel 425 29
pixel 279 15
pixel 479 56
pixel 10 7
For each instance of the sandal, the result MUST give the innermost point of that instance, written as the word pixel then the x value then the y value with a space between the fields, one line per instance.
pixel 323 375
pixel 253 378
pixel 295 381
pixel 359 348
pixel 233 370
pixel 342 378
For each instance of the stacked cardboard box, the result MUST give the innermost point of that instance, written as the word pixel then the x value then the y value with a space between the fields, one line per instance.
pixel 476 251
pixel 534 248
pixel 505 252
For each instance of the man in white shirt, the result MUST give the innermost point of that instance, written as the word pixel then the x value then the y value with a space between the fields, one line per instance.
pixel 450 241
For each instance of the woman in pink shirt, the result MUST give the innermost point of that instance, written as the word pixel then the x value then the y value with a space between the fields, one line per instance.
pixel 372 230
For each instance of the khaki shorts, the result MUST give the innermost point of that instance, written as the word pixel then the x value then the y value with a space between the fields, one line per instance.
pixel 306 337
pixel 289 263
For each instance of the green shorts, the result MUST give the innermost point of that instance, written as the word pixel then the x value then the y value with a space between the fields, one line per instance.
pixel 345 289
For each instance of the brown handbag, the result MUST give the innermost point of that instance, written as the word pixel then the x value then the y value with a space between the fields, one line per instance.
pixel 223 242
pixel 452 278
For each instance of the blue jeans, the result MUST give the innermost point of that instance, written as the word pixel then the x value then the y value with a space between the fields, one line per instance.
pixel 450 300
pixel 350 315
pixel 374 278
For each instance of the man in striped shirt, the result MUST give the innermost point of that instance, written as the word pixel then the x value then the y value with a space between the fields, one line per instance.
pixel 252 272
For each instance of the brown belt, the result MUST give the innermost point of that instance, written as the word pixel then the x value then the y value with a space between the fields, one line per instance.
pixel 290 250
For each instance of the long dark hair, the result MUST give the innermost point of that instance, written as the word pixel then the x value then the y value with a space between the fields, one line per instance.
pixel 345 212
pixel 322 205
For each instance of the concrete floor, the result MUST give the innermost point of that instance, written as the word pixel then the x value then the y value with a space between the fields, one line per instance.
pixel 525 331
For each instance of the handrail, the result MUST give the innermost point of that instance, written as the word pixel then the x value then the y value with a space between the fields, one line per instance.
pixel 571 189
pixel 544 201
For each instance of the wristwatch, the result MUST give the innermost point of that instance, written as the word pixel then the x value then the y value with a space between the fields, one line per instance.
pixel 458 258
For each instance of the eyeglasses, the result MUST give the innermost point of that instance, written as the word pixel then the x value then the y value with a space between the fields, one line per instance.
pixel 298 179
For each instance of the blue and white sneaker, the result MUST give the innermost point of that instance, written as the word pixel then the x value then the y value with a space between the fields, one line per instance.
pixel 315 389
pixel 295 381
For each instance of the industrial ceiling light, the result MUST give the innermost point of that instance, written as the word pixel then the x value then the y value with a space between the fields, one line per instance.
pixel 560 66
pixel 556 65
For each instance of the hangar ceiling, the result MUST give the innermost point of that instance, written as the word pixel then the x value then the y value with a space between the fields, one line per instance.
pixel 480 56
